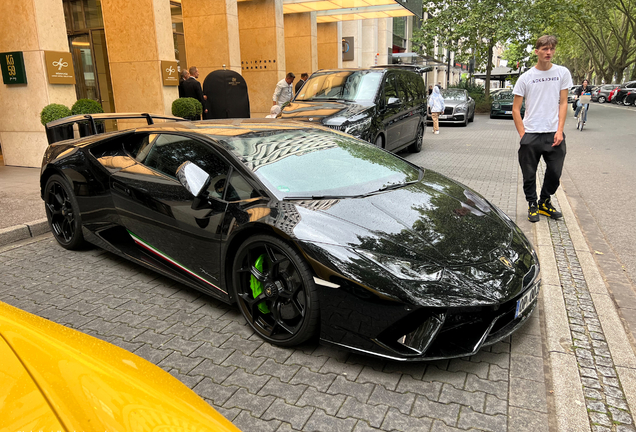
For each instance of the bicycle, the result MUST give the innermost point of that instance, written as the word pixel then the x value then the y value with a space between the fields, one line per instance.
pixel 584 102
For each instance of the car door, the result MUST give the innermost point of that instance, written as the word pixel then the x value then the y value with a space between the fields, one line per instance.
pixel 390 113
pixel 410 113
pixel 157 210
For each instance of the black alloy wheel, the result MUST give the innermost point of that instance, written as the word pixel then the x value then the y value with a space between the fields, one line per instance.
pixel 416 147
pixel 601 99
pixel 62 212
pixel 275 291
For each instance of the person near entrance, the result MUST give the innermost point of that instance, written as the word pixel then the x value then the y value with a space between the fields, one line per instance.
pixel 301 82
pixel 184 76
pixel 545 89
pixel 192 87
pixel 284 90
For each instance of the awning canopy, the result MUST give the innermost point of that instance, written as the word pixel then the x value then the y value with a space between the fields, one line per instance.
pixel 347 10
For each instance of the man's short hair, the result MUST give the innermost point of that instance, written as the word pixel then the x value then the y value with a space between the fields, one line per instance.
pixel 304 75
pixel 192 70
pixel 546 40
pixel 184 73
pixel 290 75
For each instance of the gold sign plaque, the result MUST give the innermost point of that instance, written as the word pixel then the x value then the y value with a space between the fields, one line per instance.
pixel 59 67
pixel 169 73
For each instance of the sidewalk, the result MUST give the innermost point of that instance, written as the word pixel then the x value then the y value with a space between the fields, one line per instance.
pixel 571 368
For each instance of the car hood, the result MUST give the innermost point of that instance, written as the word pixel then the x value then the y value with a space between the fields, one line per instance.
pixel 437 223
pixel 337 112
pixel 453 103
pixel 60 379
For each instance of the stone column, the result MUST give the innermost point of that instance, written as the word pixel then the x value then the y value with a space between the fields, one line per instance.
pixel 30 26
pixel 354 29
pixel 329 45
pixel 301 43
pixel 139 37
pixel 369 43
pixel 262 35
pixel 211 30
pixel 385 39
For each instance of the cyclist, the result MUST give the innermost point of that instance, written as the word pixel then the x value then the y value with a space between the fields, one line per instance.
pixel 584 89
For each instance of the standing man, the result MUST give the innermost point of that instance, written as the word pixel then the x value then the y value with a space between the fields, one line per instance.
pixel 284 91
pixel 545 88
pixel 301 82
pixel 184 76
pixel 192 87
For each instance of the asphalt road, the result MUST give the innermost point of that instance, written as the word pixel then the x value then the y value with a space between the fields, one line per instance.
pixel 600 181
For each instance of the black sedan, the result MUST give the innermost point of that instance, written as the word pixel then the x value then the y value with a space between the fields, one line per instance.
pixel 310 231
pixel 459 107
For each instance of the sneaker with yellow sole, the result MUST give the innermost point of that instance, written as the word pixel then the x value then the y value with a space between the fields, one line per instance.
pixel 546 208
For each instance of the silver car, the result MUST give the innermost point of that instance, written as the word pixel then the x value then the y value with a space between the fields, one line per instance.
pixel 460 107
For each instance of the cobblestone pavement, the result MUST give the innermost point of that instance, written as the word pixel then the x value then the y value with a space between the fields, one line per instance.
pixel 208 346
pixel 604 396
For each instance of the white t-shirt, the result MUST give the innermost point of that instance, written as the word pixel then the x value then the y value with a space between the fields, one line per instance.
pixel 542 92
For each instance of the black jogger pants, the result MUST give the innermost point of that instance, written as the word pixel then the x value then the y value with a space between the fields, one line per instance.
pixel 532 147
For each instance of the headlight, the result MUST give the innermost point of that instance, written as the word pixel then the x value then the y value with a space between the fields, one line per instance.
pixel 358 127
pixel 495 106
pixel 404 268
pixel 461 108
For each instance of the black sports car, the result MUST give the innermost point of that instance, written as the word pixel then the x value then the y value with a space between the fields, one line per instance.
pixel 311 232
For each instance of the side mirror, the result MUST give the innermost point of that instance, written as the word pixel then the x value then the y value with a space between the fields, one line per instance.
pixel 193 178
pixel 393 101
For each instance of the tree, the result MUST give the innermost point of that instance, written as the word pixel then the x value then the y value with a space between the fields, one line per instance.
pixel 473 28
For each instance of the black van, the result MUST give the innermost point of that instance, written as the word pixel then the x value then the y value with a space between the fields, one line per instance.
pixel 381 105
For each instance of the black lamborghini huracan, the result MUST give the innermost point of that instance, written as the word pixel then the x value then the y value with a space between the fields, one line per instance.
pixel 310 231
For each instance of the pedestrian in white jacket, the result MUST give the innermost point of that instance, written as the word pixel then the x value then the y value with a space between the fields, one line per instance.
pixel 436 105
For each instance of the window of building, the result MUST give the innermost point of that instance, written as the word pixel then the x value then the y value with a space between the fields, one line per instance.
pixel 177 35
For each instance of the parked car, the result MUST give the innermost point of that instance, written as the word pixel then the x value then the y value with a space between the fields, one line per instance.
pixel 460 107
pixel 385 106
pixel 311 231
pixel 630 99
pixel 572 93
pixel 501 105
pixel 54 378
pixel 619 96
pixel 601 94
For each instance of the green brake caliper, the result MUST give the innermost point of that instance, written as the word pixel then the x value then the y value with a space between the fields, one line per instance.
pixel 256 285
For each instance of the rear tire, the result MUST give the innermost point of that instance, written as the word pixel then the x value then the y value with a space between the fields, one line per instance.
pixel 601 99
pixel 379 141
pixel 625 102
pixel 416 147
pixel 62 212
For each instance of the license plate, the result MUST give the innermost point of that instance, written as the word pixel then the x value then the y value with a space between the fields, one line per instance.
pixel 443 116
pixel 508 112
pixel 526 300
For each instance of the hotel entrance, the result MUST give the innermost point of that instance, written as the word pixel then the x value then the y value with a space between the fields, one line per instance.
pixel 87 42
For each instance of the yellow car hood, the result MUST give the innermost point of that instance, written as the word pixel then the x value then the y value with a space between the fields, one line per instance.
pixel 55 378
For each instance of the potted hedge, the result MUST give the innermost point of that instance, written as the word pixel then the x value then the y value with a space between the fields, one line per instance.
pixel 54 112
pixel 188 108
pixel 88 106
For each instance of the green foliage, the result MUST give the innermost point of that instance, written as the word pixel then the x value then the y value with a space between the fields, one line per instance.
pixel 86 106
pixel 189 108
pixel 53 112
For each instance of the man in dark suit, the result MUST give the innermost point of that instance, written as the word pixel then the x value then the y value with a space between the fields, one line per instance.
pixel 192 87
pixel 184 76
pixel 301 82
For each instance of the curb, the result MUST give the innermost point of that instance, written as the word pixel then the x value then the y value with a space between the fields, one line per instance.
pixel 24 231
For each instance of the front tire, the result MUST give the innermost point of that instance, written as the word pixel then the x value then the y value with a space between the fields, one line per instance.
pixel 62 212
pixel 472 117
pixel 379 141
pixel 625 102
pixel 601 99
pixel 416 147
pixel 275 291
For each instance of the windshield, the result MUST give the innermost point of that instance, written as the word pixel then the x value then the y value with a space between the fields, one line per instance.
pixel 452 94
pixel 351 86
pixel 315 163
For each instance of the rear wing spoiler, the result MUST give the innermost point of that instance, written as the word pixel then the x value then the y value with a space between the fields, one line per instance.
pixel 92 124
pixel 90 118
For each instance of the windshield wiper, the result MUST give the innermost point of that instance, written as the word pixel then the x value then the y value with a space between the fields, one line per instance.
pixel 388 187
pixel 315 197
